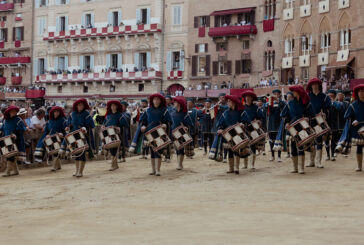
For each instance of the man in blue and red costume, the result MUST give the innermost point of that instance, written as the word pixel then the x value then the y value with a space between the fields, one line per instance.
pixel 115 118
pixel 296 109
pixel 56 125
pixel 274 108
pixel 170 108
pixel 80 118
pixel 230 117
pixel 250 113
pixel 157 114
pixel 219 109
pixel 320 103
pixel 180 117
pixel 125 131
pixel 14 125
pixel 192 111
pixel 206 124
pixel 354 122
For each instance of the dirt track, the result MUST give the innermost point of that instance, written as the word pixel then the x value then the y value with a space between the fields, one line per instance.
pixel 200 205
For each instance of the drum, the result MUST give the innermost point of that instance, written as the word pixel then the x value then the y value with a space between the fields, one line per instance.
pixel 181 137
pixel 320 125
pixel 157 138
pixel 256 132
pixel 8 146
pixel 52 143
pixel 301 132
pixel 236 137
pixel 76 142
pixel 110 138
pixel 361 131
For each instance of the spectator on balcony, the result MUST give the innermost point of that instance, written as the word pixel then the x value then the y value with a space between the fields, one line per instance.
pixel 230 85
pixel 216 87
pixel 135 69
pixel 223 85
pixel 199 87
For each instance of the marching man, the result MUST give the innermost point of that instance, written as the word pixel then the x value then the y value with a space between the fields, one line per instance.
pixel 13 125
pixel 157 114
pixel 56 124
pixel 229 118
pixel 180 117
pixel 115 118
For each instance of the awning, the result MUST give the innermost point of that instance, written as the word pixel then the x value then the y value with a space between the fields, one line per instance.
pixel 232 11
pixel 340 64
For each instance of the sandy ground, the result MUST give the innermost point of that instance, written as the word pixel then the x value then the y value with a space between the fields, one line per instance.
pixel 200 205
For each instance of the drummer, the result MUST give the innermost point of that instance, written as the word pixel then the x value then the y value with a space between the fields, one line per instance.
pixel 355 114
pixel 13 125
pixel 156 115
pixel 125 131
pixel 56 124
pixel 192 112
pixel 180 117
pixel 80 118
pixel 320 103
pixel 250 113
pixel 170 108
pixel 273 110
pixel 145 147
pixel 296 109
pixel 219 109
pixel 115 118
pixel 229 118
pixel 206 123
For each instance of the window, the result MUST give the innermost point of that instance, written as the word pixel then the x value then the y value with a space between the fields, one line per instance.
pixel 305 73
pixel 222 20
pixel 325 40
pixel 142 16
pixel 143 60
pixel 176 60
pixel 223 67
pixel 62 23
pixel 345 37
pixel 201 21
pixel 202 48
pixel 18 33
pixel 270 9
pixel 115 18
pixel 269 58
pixel 112 88
pixel 288 46
pixel 4 35
pixel 246 44
pixel 306 43
pixel 59 89
pixel 114 60
pixel 41 64
pixel 87 62
pixel 177 15
pixel 244 19
pixel 42 3
pixel 269 44
pixel 41 26
pixel 221 46
pixel 61 63
pixel 85 89
pixel 246 66
pixel 88 20
pixel 141 87
pixel 305 2
pixel 289 4
pixel 202 65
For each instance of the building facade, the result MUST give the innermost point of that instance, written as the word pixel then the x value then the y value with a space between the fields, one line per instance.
pixel 323 39
pixel 15 45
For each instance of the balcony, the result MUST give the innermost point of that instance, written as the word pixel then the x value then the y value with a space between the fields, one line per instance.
pixel 103 32
pixel 324 6
pixel 2 80
pixel 34 93
pixel 15 60
pixel 6 7
pixel 224 31
pixel 305 10
pixel 175 75
pixel 100 77
pixel 288 14
pixel 16 80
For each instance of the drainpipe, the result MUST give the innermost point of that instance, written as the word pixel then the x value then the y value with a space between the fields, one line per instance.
pixel 162 42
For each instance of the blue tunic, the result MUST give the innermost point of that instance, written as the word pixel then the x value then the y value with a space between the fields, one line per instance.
pixel 154 117
pixel 229 117
pixel 181 118
pixel 193 115
pixel 320 102
pixel 53 126
pixel 335 112
pixel 251 112
pixel 295 110
pixel 205 120
pixel 274 115
pixel 15 126
pixel 77 120
pixel 220 112
pixel 116 119
pixel 356 112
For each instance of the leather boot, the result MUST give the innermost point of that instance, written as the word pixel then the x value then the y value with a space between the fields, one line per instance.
pixel 180 162
pixel 312 158
pixel 8 169
pixel 254 157
pixel 295 164
pixel 245 163
pixel 77 168
pixel 15 168
pixel 158 167
pixel 301 164
pixel 231 166
pixel 82 167
pixel 153 166
pixel 318 159
pixel 359 160
pixel 114 164
pixel 56 164
pixel 237 164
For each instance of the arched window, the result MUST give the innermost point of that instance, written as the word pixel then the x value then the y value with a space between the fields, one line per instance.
pixel 269 44
pixel 269 58
pixel 270 9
